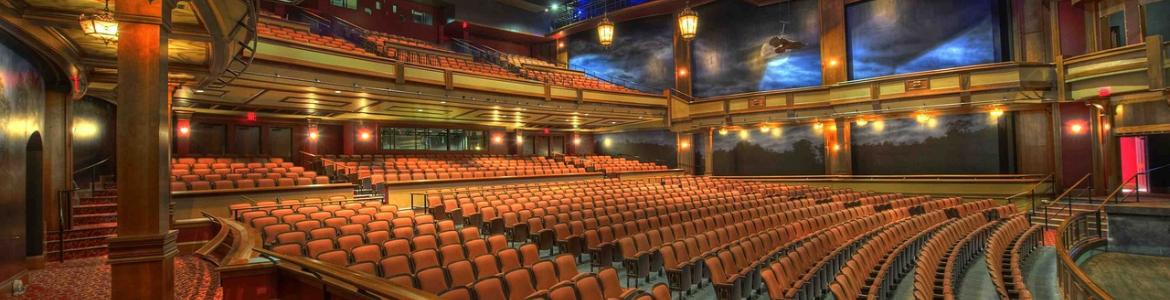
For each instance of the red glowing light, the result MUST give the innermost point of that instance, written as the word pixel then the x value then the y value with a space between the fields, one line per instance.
pixel 250 116
pixel 1104 91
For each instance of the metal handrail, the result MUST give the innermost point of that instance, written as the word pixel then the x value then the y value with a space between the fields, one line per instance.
pixel 1064 194
pixel 93 172
pixel 1031 191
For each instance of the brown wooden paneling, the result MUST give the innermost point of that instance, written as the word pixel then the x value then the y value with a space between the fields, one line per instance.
pixel 833 47
pixel 1034 142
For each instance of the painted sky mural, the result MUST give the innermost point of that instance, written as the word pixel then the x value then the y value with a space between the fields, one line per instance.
pixel 657 146
pixel 906 146
pixel 889 37
pixel 732 55
pixel 791 150
pixel 641 54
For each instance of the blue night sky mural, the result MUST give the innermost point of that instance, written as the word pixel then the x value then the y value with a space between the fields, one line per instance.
pixel 732 55
pixel 790 150
pixel 889 37
pixel 641 53
pixel 905 146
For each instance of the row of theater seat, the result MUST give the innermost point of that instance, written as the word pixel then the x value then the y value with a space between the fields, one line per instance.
pixel 449 63
pixel 377 169
pixel 611 164
pixel 381 38
pixel 306 38
pixel 435 263
pixel 1008 248
pixel 244 184
pixel 574 80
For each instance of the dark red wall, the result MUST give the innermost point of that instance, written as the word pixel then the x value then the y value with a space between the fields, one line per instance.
pixel 1075 148
pixel 505 46
pixel 1072 29
pixel 386 20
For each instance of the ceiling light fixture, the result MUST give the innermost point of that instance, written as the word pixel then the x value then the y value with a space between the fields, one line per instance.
pixel 101 25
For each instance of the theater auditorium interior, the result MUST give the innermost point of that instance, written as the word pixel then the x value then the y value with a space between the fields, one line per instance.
pixel 584 149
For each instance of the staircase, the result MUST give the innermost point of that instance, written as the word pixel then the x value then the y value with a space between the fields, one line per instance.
pixel 1059 211
pixel 95 218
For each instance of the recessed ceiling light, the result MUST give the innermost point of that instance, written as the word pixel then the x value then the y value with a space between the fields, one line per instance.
pixel 443 102
pixel 198 91
pixel 337 92
pixel 418 109
pixel 612 122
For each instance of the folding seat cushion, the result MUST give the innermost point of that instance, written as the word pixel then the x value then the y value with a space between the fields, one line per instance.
pixel 491 288
pixel 368 253
pixel 307 225
pixel 486 266
pixel 611 284
pixel 177 186
pixel 348 242
pixel 589 287
pixel 395 265
pixel 264 183
pixel 424 242
pixel 509 259
pixel 520 283
pixel 338 257
pixel 200 185
pixel 432 279
pixel 352 229
pixel 364 267
pixel 545 274
pixel 425 258
pixel 304 181
pixel 294 237
pixel 476 247
pixel 450 238
pixel 324 233
pixel 284 181
pixel 529 254
pixel 460 273
pixel 403 232
pixel 456 293
pixel 377 237
pixel 452 253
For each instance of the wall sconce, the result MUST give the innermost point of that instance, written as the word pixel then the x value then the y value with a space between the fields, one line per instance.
pixel 498 139
pixel 184 130
pixel 682 72
pixel 833 62
pixel 313 134
pixel 684 145
pixel 365 135
pixel 576 141
pixel 836 148
pixel 921 117
pixel 1076 128
pixel 861 122
pixel 996 113
pixel 519 139
pixel 722 131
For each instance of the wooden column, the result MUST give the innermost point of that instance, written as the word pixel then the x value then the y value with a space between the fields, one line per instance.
pixel 709 152
pixel 562 46
pixel 58 169
pixel 839 158
pixel 682 62
pixel 834 67
pixel 1032 25
pixel 686 154
pixel 1134 22
pixel 141 256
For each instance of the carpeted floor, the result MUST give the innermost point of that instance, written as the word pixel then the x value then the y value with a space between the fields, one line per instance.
pixel 89 278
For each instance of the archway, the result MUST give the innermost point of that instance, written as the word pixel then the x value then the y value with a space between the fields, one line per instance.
pixel 34 197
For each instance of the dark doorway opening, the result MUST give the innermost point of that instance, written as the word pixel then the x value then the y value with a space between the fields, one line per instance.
pixel 34 197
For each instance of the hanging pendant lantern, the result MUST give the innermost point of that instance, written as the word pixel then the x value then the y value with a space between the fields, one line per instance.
pixel 605 32
pixel 688 23
pixel 101 25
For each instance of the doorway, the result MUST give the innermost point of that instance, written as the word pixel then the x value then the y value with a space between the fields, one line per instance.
pixel 1134 164
pixel 34 197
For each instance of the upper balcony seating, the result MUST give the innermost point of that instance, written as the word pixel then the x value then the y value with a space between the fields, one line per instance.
pixel 226 173
pixel 520 60
pixel 449 62
pixel 380 38
pixel 574 80
pixel 611 164
pixel 393 168
pixel 309 39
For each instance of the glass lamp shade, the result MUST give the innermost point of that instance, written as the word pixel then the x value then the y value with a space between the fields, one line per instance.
pixel 100 25
pixel 605 32
pixel 688 23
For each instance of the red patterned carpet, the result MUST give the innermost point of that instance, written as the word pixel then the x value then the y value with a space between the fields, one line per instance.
pixel 89 278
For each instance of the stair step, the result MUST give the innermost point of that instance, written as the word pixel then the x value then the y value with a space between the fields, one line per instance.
pixel 89 219
pixel 98 200
pixel 101 208
pixel 79 243
pixel 78 231
pixel 92 251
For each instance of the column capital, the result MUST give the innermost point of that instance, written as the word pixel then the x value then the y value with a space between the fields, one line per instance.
pixel 143 248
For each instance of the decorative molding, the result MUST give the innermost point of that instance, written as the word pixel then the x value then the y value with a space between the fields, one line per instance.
pixel 143 248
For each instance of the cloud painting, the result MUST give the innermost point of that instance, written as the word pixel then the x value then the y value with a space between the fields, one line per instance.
pixel 731 53
pixel 657 146
pixel 642 53
pixel 887 37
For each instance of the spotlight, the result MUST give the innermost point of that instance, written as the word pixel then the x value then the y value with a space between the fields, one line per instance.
pixel 862 122
pixel 996 113
pixel 922 117
pixel 743 134
pixel 722 131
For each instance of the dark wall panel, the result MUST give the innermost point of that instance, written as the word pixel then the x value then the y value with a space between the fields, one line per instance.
pixel 732 53
pixel 22 99
pixel 889 37
pixel 94 123
pixel 657 146
pixel 948 144
pixel 641 53
pixel 792 150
